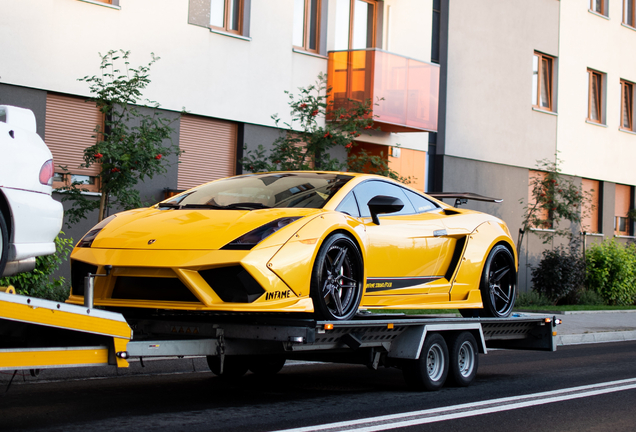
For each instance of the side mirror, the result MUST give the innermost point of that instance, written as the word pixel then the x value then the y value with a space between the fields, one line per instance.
pixel 383 204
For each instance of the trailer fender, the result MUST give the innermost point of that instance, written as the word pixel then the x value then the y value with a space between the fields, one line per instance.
pixel 408 345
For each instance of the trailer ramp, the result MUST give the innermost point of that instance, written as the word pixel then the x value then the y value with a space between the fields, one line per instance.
pixel 40 334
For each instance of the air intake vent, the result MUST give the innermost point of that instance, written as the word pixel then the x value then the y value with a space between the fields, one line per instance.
pixel 152 288
pixel 79 270
pixel 233 284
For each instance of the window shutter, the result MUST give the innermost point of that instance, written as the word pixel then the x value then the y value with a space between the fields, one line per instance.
pixel 209 147
pixel 69 129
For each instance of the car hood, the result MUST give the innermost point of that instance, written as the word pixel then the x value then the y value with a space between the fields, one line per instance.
pixel 191 229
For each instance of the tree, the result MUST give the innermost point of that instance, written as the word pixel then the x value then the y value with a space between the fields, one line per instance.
pixel 308 148
pixel 130 147
pixel 554 199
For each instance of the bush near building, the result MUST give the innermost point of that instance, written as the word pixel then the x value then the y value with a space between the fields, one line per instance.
pixel 611 272
pixel 560 274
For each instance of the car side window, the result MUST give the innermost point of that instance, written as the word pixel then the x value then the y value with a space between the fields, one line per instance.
pixel 349 206
pixel 420 203
pixel 367 190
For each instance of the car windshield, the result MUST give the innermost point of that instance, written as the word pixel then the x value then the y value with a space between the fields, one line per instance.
pixel 268 190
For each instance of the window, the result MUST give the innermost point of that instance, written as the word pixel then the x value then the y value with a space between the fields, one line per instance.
pixel 70 128
pixel 595 96
pixel 307 24
pixel 590 221
pixel 209 147
pixel 226 15
pixel 367 190
pixel 599 6
pixel 231 16
pixel 627 105
pixel 355 24
pixel 542 218
pixel 629 10
pixel 542 78
pixel 622 204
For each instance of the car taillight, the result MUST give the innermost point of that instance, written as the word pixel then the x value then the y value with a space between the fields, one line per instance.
pixel 46 173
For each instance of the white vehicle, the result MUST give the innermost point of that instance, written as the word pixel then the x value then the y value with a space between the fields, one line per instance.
pixel 30 218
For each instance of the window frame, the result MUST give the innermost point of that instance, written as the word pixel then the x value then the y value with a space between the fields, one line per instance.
pixel 603 10
pixel 307 26
pixel 226 17
pixel 374 23
pixel 537 97
pixel 626 18
pixel 599 96
pixel 627 87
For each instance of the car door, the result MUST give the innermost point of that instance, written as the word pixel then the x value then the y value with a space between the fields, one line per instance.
pixel 405 251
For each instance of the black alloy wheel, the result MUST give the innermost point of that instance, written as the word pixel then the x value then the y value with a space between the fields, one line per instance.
pixel 499 283
pixel 336 281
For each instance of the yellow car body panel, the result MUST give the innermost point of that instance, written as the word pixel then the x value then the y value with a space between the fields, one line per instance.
pixel 169 257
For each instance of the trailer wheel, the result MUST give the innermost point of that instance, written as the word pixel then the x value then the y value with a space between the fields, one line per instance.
pixel 429 372
pixel 336 280
pixel 464 359
pixel 233 366
pixel 266 365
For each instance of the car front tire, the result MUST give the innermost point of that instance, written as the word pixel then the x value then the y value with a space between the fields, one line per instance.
pixel 337 277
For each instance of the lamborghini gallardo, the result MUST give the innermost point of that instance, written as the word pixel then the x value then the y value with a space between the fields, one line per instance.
pixel 321 243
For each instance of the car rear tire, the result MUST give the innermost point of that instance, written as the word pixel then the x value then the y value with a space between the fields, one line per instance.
pixel 336 280
pixel 464 359
pixel 429 372
pixel 4 244
pixel 499 283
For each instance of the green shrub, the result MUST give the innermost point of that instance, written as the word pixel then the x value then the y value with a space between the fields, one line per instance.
pixel 560 273
pixel 39 283
pixel 532 298
pixel 611 272
pixel 589 298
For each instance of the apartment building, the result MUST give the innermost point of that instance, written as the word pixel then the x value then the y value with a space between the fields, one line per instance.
pixel 228 63
pixel 523 81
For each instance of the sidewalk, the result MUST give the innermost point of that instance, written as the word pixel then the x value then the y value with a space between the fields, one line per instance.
pixel 582 327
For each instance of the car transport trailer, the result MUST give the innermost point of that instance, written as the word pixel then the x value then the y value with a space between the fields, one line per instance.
pixel 38 334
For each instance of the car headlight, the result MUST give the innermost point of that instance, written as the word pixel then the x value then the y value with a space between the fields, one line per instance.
pixel 87 240
pixel 254 237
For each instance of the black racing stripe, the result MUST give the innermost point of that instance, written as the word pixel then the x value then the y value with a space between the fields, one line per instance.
pixel 385 284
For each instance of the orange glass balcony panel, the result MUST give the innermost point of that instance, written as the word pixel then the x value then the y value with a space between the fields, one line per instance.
pixel 406 90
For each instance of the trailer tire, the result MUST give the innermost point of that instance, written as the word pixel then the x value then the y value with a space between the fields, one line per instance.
pixel 428 372
pixel 266 365
pixel 233 366
pixel 464 359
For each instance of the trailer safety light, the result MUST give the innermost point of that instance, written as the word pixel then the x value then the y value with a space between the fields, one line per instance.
pixel 554 333
pixel 122 355
pixel 547 320
pixel 389 326
pixel 557 321
pixel 328 326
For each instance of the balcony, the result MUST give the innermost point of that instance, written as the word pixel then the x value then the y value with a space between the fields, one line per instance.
pixel 409 88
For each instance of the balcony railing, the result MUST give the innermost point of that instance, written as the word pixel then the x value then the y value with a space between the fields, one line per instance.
pixel 409 88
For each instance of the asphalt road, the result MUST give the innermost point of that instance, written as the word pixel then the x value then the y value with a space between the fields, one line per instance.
pixel 524 391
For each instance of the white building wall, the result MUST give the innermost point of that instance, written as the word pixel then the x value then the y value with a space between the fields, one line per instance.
pixel 489 115
pixel 588 40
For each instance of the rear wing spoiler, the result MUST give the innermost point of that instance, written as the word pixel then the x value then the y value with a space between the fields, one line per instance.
pixel 463 197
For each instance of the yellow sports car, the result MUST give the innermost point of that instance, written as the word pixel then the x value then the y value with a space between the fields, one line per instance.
pixel 326 243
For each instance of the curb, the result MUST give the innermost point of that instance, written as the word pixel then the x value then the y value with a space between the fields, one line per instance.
pixel 589 338
pixel 553 312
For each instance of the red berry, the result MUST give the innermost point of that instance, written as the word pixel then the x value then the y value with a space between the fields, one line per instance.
pixel 98 155
pixel 115 170
pixel 303 105
pixel 158 156
pixel 314 112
